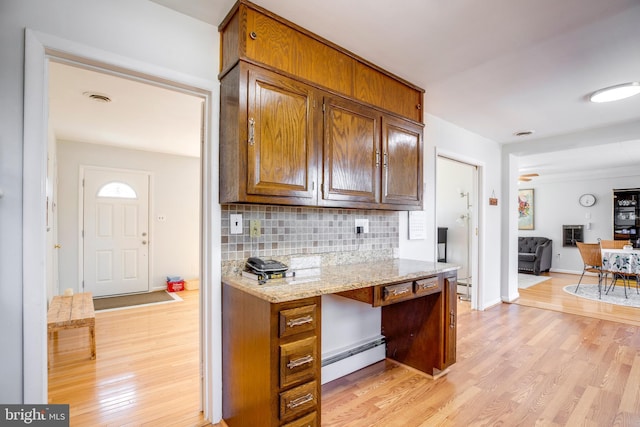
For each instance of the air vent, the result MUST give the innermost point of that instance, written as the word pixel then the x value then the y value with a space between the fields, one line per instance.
pixel 98 97
pixel 524 133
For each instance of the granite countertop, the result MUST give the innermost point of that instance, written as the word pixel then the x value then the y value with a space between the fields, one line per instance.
pixel 338 278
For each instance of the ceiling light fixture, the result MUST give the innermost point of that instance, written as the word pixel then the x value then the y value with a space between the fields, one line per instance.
pixel 98 97
pixel 615 93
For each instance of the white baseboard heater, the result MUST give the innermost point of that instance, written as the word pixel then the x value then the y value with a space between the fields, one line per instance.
pixel 344 361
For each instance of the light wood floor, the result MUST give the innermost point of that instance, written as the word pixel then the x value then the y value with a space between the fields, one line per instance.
pixel 517 365
pixel 146 371
pixel 549 295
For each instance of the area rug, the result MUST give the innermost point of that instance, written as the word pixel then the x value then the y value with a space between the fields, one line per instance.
pixel 527 280
pixel 135 300
pixel 614 297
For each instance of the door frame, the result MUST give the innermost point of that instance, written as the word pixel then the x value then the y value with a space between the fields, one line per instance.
pixel 476 225
pixel 81 175
pixel 40 48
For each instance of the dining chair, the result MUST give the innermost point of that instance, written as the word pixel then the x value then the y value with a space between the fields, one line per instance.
pixel 592 263
pixel 615 275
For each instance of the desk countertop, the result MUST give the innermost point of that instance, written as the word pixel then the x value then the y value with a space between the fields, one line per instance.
pixel 338 278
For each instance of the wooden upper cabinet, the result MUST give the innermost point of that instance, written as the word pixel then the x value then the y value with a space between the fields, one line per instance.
pixel 276 141
pixel 376 88
pixel 402 162
pixel 256 35
pixel 351 152
pixel 281 152
pixel 268 150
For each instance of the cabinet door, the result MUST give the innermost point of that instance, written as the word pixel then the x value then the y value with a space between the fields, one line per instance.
pixel 352 156
pixel 402 162
pixel 451 316
pixel 281 158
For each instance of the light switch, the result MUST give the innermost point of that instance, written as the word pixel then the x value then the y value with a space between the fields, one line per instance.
pixel 235 223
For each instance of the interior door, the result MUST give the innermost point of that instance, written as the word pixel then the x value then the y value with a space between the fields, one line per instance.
pixel 115 232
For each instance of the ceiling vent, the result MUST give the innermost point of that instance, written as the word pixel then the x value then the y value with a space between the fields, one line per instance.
pixel 524 133
pixel 98 97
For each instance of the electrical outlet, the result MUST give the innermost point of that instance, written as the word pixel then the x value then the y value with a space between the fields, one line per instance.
pixel 254 226
pixel 235 224
pixel 364 223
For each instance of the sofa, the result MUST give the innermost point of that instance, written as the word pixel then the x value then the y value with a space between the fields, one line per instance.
pixel 534 254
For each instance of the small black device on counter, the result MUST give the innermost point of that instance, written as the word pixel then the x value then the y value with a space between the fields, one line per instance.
pixel 259 265
pixel 261 270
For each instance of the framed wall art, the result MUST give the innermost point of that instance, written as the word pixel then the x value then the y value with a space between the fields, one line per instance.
pixel 525 209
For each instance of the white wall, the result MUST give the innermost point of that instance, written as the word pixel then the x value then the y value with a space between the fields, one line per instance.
pixel 556 204
pixel 152 38
pixel 455 142
pixel 175 193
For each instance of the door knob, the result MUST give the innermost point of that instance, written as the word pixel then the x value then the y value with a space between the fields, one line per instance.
pixel 144 242
pixel 144 234
pixel 56 246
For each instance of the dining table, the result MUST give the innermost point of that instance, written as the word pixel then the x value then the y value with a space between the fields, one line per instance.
pixel 621 263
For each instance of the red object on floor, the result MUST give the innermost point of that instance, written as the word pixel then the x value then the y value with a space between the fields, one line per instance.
pixel 175 286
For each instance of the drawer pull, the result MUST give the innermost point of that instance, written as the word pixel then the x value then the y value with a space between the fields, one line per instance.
pixel 299 362
pixel 299 321
pixel 428 286
pixel 396 292
pixel 300 401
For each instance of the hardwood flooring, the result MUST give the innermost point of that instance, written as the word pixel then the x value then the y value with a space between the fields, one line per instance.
pixel 146 371
pixel 549 295
pixel 516 365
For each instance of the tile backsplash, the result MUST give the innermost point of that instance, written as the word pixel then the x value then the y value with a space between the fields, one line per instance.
pixel 287 231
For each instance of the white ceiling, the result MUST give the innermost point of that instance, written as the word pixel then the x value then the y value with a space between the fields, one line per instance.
pixel 492 67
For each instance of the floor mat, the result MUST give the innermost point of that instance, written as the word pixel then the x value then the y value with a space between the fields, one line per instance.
pixel 135 300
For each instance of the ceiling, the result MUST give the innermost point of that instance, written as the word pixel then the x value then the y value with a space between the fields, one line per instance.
pixel 493 68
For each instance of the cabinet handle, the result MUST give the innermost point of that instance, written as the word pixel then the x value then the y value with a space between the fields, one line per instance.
pixel 452 320
pixel 427 285
pixel 377 158
pixel 252 129
pixel 299 321
pixel 396 292
pixel 299 362
pixel 253 35
pixel 419 107
pixel 384 164
pixel 300 401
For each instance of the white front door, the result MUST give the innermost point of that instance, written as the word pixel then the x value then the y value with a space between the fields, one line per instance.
pixel 116 232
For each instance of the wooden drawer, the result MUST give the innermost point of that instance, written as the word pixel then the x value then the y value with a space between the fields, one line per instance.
pixel 298 400
pixel 297 320
pixel 310 420
pixel 399 292
pixel 298 361
pixel 427 286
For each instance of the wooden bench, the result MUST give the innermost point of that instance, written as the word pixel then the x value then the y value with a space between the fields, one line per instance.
pixel 75 311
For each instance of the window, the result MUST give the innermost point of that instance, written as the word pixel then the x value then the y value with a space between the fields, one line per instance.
pixel 117 189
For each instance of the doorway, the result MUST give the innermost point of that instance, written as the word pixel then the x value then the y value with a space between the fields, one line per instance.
pixel 114 225
pixel 457 216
